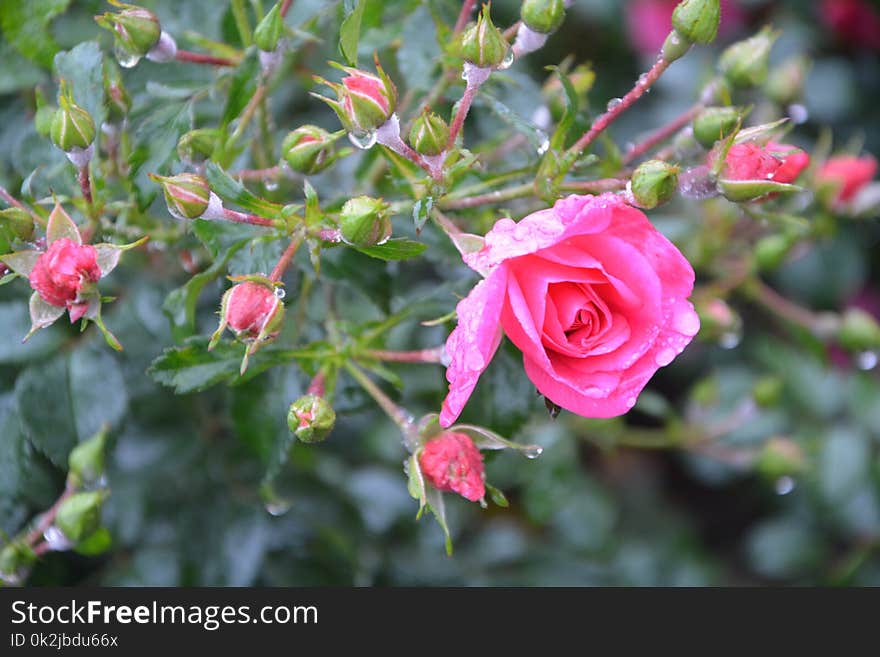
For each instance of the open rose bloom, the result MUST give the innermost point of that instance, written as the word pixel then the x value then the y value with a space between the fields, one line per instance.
pixel 590 292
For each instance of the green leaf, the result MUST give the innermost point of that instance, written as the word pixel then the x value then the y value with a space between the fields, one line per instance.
pixel 82 67
pixel 14 325
pixel 360 272
pixel 242 88
pixel 61 226
pixel 95 543
pixel 350 33
pixel 419 51
pixel 234 192
pixel 25 26
pixel 436 505
pixel 43 314
pixel 557 141
pixel 395 249
pixel 21 262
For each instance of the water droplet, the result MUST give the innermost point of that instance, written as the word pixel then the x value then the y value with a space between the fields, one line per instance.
pixel 784 485
pixel 543 146
pixel 363 140
pixel 613 104
pixel 695 183
pixel 280 293
pixel 867 360
pixel 664 357
pixel 507 62
pixel 643 78
pixel 798 113
pixel 125 58
pixel 686 323
pixel 56 540
pixel 532 451
pixel 277 507
pixel 630 402
pixel 729 340
pixel 270 185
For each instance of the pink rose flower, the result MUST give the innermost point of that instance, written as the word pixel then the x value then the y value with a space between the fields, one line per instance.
pixel 848 175
pixel 855 22
pixel 777 162
pixel 591 293
pixel 452 462
pixel 648 22
pixel 62 271
pixel 250 307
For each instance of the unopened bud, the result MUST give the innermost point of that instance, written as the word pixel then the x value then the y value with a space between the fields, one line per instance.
pixel 252 310
pixel 79 515
pixel 744 64
pixel 197 145
pixel 16 223
pixel 785 83
pixel 363 101
pixel 135 29
pixel 187 194
pixel 429 134
pixel 86 460
pixel 697 20
pixel 307 149
pixel 452 462
pixel 268 31
pixel 364 221
pixel 483 44
pixel 72 127
pixel 858 330
pixel 653 183
pixel 311 418
pixel 715 123
pixel 542 16
pixel 15 557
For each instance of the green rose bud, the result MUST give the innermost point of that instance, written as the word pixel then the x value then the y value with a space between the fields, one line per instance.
pixel 744 64
pixel 483 44
pixel 186 194
pixel 770 251
pixel 429 134
pixel 86 460
pixel 543 16
pixel 311 418
pixel 654 182
pixel 785 83
pixel 268 31
pixel 16 223
pixel 198 145
pixel 364 221
pixel 675 46
pixel 697 20
pixel 858 330
pixel 79 515
pixel 135 29
pixel 307 149
pixel 72 126
pixel 714 124
pixel 14 558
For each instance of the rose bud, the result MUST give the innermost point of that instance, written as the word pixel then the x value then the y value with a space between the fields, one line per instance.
pixel 483 44
pixel 715 123
pixel 855 22
pixel 198 145
pixel 653 183
pixel 717 318
pixel 858 330
pixel 364 221
pixel 697 20
pixel 752 171
pixel 79 516
pixel 72 127
pixel 311 418
pixel 846 175
pixel 306 149
pixel 86 460
pixel 16 223
pixel 452 462
pixel 542 16
pixel 252 311
pixel 363 101
pixel 268 31
pixel 135 31
pixel 429 134
pixel 15 558
pixel 785 83
pixel 744 64
pixel 187 195
pixel 63 273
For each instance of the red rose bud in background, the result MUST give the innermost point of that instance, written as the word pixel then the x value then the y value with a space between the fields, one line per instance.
pixel 363 101
pixel 855 22
pixel 752 171
pixel 845 176
pixel 307 149
pixel 63 272
pixel 311 418
pixel 452 462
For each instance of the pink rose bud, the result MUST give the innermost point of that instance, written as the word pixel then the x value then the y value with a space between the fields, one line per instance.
pixel 847 175
pixel 61 273
pixel 363 101
pixel 451 462
pixel 856 22
pixel 252 308
pixel 752 171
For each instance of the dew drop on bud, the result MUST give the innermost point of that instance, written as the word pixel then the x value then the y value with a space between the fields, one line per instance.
pixel 784 485
pixel 56 540
pixel 729 340
pixel 798 113
pixel 532 451
pixel 270 185
pixel 613 104
pixel 867 360
pixel 125 58
pixel 507 62
pixel 280 293
pixel 277 508
pixel 543 146
pixel 362 140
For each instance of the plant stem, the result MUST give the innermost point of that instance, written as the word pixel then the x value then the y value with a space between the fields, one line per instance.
pixel 199 58
pixel 285 259
pixel 642 85
pixel 85 183
pixel 400 417
pixel 247 114
pixel 594 186
pixel 464 107
pixel 434 355
pixel 661 134
pixel 239 13
pixel 770 299
pixel 285 7
pixel 497 196
pixel 445 223
pixel 258 174
pixel 467 8
pixel 245 218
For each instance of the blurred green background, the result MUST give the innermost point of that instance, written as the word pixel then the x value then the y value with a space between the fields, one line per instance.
pixel 608 503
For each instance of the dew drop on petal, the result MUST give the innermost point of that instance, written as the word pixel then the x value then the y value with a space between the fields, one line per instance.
pixel 664 357
pixel 532 451
pixel 270 185
pixel 362 140
pixel 686 323
pixel 280 293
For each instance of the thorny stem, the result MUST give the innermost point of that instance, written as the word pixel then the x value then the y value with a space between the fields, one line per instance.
pixel 642 85
pixel 467 8
pixel 49 517
pixel 434 355
pixel 199 58
pixel 445 223
pixel 285 7
pixel 464 107
pixel 285 259
pixel 247 114
pixel 400 417
pixel 85 183
pixel 661 134
pixel 496 196
pixel 245 218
